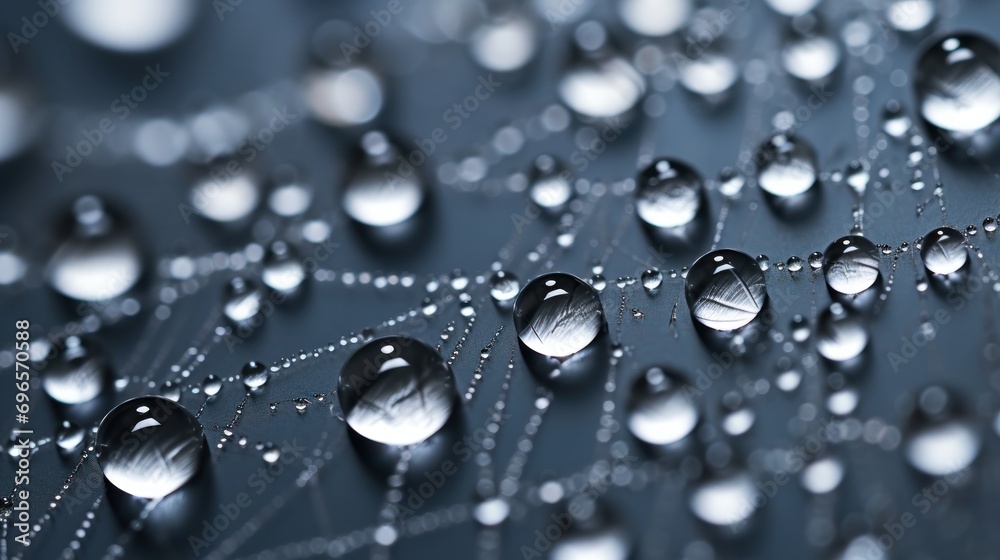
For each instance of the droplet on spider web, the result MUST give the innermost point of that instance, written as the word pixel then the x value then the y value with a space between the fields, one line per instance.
pixel 397 391
pixel 841 334
pixel 809 53
pixel 653 18
pixel 127 27
pixel 69 437
pixel 651 280
pixel 505 42
pixel 226 197
pixel 659 410
pixel 723 499
pixel 242 300
pixel 910 15
pixel 284 271
pixel 725 290
pixel 558 315
pixel 788 166
pixel 943 251
pixel 669 194
pixel 599 83
pixel 851 265
pixel 551 187
pixel 793 7
pixel 594 532
pixel 149 446
pixel 340 92
pixel 255 375
pixel 504 287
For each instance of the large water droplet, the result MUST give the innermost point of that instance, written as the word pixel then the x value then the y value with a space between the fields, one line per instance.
pixel 654 18
pixel 957 86
pixel 396 390
pixel 910 15
pixel 943 251
pixel 660 412
pixel 841 334
pixel 725 289
pixel 787 166
pixel 79 372
pixel 851 265
pixel 809 53
pixel 224 196
pixel 941 439
pixel 823 475
pixel 558 315
pixel 599 83
pixel 149 446
pixel 505 43
pixel 793 7
pixel 99 260
pixel 594 533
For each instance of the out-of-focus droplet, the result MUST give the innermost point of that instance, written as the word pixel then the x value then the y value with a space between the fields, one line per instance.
pixel 654 18
pixel 397 391
pixel 290 194
pixel 593 533
pixel 128 26
pixel 69 437
pixel 79 372
pixel 504 43
pixel 149 446
pixel 284 271
pixel 809 53
pixel 940 438
pixel 226 197
pixel 787 166
pixel 384 190
pixel 841 334
pixel 504 287
pixel 551 186
pixel 851 265
pixel 254 374
pixel 910 15
pixel 339 89
pixel 659 410
pixel 599 83
pixel 242 300
pixel 823 475
pixel 731 182
pixel 793 7
pixel 99 260
pixel 724 500
pixel 895 121
pixel 725 289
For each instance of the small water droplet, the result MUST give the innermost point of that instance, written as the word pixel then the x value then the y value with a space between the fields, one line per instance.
pixel 283 269
pixel 255 375
pixel 504 287
pixel 242 300
pixel 943 251
pixel 599 83
pixel 669 194
pixel 787 166
pixel 79 372
pixel 211 385
pixel 651 280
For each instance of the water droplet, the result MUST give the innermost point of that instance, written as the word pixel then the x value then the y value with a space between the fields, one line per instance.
pixel 243 298
pixel 943 251
pixel 599 282
pixel 98 259
pixel 857 177
pixel 290 194
pixel 492 512
pixel 149 446
pixel 653 18
pixel 504 43
pixel 669 194
pixel 283 269
pixel 558 315
pixel 792 7
pixel 711 74
pixel 815 260
pixel 823 475
pixel 737 416
pixel 841 334
pixel 271 453
pixel 170 390
pixel 225 196
pixel 724 500
pixel 731 182
pixel 396 390
pixel 659 410
pixel 504 287
pixel 895 121
pixel 726 289
pixel 808 52
pixel 651 280
pixel 551 186
pixel 379 192
pixel 989 224
pixel 800 328
pixel 910 15
pixel 123 26
pixel 940 439
pixel 339 94
pixel 787 166
pixel 593 534
pixel 763 262
pixel 957 86
pixel 851 265
pixel 794 264
pixel 69 437
pixel 79 373
pixel 211 385
pixel 599 83
pixel 254 374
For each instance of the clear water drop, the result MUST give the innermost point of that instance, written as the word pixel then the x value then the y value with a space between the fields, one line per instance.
pixel 69 437
pixel 551 185
pixel 255 375
pixel 957 84
pixel 384 190
pixel 558 315
pixel 669 194
pixel 504 287
pixel 224 196
pixel 725 289
pixel 396 390
pixel 284 271
pixel 242 300
pixel 651 280
pixel 599 83
pixel 211 385
pixel 149 446
pixel 808 52
pixel 943 251
pixel 851 265
pixel 660 412
pixel 731 182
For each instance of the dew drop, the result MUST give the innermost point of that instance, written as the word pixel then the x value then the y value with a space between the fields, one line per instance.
pixel 396 390
pixel 551 187
pixel 823 475
pixel 504 287
pixel 841 334
pixel 910 15
pixel 254 374
pixel 851 265
pixel 788 166
pixel 723 500
pixel 599 83
pixel 808 53
pixel 149 446
pixel 725 289
pixel 211 385
pixel 895 121
pixel 940 439
pixel 558 315
pixel 242 301
pixel 79 372
pixel 669 194
pixel 943 251
pixel 130 27
pixel 69 437
pixel 653 18
pixel 283 269
pixel 651 280
pixel 376 194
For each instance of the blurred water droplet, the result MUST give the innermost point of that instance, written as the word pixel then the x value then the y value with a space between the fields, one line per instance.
pixel 492 512
pixel 659 410
pixel 551 187
pixel 808 52
pixel 505 43
pixel 724 500
pixel 99 259
pixel 940 438
pixel 254 374
pixel 149 446
pixel 79 372
pixel 725 289
pixel 669 194
pixel 504 287
pixel 396 390
pixel 130 27
pixel 69 437
pixel 910 15
pixel 283 269
pixel 593 533
pixel 653 18
pixel 599 83
pixel 731 182
pixel 271 453
pixel 224 196
pixel 895 121
pixel 793 7
pixel 787 166
pixel 823 475
pixel 242 300
pixel 841 334
pixel 384 190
